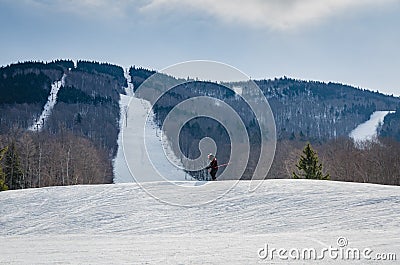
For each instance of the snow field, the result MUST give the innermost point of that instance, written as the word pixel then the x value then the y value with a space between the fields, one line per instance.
pixel 121 224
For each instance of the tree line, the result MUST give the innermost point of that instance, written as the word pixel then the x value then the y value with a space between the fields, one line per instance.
pixel 376 161
pixel 40 159
pixel 391 125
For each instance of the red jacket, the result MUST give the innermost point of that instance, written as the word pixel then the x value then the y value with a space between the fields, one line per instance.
pixel 213 165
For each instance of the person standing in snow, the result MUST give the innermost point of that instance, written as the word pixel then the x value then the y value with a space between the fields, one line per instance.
pixel 213 166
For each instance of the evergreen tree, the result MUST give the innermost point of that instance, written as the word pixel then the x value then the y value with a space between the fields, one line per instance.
pixel 309 166
pixel 3 185
pixel 12 169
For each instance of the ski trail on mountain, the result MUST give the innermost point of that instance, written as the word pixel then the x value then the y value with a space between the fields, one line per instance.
pixel 134 132
pixel 48 107
pixel 129 89
pixel 367 131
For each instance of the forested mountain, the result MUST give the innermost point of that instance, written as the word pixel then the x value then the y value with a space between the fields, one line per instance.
pixel 307 109
pixel 391 125
pixel 24 88
pixel 322 113
pixel 78 141
pixel 88 103
pixel 320 110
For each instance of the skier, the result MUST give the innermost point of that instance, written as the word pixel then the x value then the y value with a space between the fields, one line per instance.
pixel 213 166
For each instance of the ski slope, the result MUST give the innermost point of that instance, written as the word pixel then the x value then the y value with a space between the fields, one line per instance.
pixel 120 168
pixel 121 224
pixel 130 87
pixel 367 131
pixel 48 107
pixel 138 139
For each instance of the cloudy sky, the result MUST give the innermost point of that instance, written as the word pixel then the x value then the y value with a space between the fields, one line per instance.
pixel 349 41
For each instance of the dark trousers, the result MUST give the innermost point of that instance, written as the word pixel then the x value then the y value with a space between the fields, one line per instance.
pixel 213 172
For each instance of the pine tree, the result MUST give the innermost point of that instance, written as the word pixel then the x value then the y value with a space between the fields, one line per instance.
pixel 3 185
pixel 12 169
pixel 309 166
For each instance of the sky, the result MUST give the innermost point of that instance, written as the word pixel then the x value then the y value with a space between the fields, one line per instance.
pixel 354 42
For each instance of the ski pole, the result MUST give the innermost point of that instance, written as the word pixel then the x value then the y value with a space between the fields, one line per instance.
pixel 224 165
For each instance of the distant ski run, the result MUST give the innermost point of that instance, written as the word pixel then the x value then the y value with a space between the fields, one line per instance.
pixel 367 131
pixel 48 107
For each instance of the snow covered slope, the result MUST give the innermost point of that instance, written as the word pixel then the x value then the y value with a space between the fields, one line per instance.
pixel 129 88
pixel 121 171
pixel 135 153
pixel 121 224
pixel 48 107
pixel 368 129
pixel 131 148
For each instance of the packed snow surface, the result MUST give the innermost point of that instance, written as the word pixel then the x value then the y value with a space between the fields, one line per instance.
pixel 121 170
pixel 368 130
pixel 140 156
pixel 121 224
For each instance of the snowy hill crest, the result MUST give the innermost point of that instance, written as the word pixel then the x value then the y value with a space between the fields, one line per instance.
pixel 120 223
